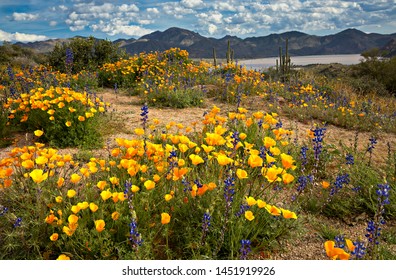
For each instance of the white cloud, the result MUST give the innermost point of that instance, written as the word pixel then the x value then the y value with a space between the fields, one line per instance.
pixel 63 8
pixel 230 5
pixel 53 23
pixel 118 26
pixel 21 37
pixel 212 29
pixel 153 11
pixel 175 10
pixel 213 17
pixel 192 3
pixel 128 8
pixel 24 16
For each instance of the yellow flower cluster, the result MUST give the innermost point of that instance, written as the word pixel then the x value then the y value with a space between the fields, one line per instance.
pixel 57 102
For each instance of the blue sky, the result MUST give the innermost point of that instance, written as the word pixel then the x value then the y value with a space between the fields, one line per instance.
pixel 34 20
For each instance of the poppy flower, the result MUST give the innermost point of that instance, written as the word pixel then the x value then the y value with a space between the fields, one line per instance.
pixel 93 207
pixel 288 214
pixel 101 185
pixel 251 201
pixel 75 178
pixel 71 193
pixel 224 160
pixel 249 215
pixel 196 159
pixel 115 215
pixel 38 133
pixel 149 185
pixel 255 161
pixel 335 253
pixel 165 218
pixel 54 237
pixel 242 174
pixel 38 175
pixel 63 257
pixel 100 225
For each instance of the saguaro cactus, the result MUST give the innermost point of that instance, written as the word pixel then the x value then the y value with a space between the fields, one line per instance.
pixel 214 58
pixel 229 53
pixel 284 63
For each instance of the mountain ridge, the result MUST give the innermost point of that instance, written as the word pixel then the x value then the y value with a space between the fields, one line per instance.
pixel 348 41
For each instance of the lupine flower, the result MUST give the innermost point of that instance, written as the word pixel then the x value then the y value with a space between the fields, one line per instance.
pixel 318 134
pixel 69 57
pixel 17 222
pixel 373 142
pixel 360 250
pixel 134 235
pixel 3 210
pixel 339 182
pixel 349 159
pixel 373 231
pixel 144 116
pixel 302 182
pixel 228 190
pixel 303 155
pixel 245 248
pixel 383 194
pixel 339 241
pixel 205 226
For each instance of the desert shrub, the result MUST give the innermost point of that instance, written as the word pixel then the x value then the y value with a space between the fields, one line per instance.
pixel 59 116
pixel 83 54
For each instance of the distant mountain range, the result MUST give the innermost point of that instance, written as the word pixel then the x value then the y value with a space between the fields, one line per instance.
pixel 349 41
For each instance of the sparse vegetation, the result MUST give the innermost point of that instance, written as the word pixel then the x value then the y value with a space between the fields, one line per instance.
pixel 234 184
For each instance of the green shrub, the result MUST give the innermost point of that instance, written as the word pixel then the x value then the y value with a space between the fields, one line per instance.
pixel 83 54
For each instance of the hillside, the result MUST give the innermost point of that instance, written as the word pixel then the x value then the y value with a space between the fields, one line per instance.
pixel 349 41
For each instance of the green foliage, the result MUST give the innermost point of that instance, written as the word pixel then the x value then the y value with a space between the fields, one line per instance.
pixel 87 54
pixel 70 120
pixel 4 128
pixel 380 73
pixel 176 99
pixel 17 56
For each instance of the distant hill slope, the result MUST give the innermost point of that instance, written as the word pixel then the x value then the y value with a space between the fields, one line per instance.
pixel 349 41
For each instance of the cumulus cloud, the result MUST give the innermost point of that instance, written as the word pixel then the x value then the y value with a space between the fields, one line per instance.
pixel 154 11
pixel 249 17
pixel 21 37
pixel 24 16
pixel 192 3
pixel 175 10
pixel 110 18
pixel 217 17
pixel 118 26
